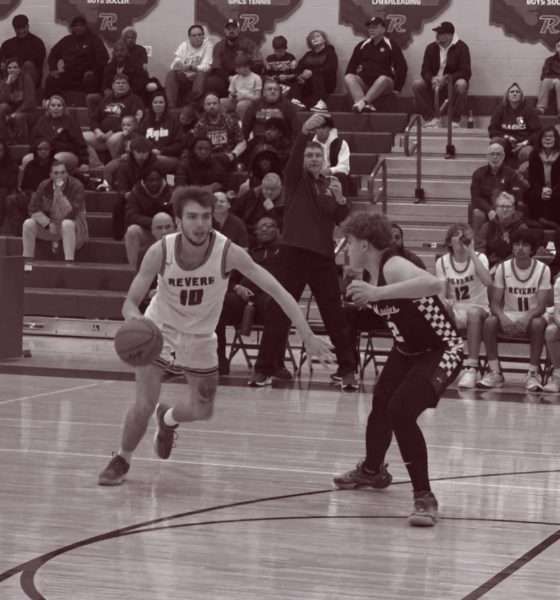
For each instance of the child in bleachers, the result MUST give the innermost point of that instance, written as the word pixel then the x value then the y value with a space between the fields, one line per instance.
pixel 129 130
pixel 281 65
pixel 244 87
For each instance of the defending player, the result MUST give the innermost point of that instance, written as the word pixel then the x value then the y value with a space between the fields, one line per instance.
pixel 192 267
pixel 465 276
pixel 425 358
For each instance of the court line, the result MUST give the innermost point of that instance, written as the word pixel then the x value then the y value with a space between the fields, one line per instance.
pixel 43 394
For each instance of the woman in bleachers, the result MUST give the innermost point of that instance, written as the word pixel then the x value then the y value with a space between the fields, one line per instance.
pixel 62 130
pixel 515 125
pixel 17 102
pixel 162 128
pixel 137 54
pixel 8 178
pixel 35 171
pixel 315 73
pixel 543 196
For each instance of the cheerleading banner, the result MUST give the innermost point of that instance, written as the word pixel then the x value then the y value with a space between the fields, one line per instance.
pixel 533 21
pixel 404 18
pixel 256 18
pixel 107 18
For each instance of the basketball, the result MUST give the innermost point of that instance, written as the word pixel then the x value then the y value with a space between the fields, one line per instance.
pixel 138 342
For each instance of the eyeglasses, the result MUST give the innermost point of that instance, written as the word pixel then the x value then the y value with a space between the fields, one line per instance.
pixel 496 154
pixel 505 206
pixel 266 226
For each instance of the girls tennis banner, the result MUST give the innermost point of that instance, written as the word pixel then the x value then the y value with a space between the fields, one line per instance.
pixel 7 6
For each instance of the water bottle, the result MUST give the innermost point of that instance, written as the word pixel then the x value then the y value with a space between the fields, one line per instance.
pixel 247 319
pixel 470 120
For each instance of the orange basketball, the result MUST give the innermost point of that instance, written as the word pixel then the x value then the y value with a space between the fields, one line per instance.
pixel 138 342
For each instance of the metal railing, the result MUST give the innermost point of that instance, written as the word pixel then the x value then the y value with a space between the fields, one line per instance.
pixel 447 103
pixel 381 193
pixel 409 150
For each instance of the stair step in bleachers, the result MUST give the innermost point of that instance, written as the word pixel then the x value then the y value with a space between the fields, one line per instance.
pixel 100 225
pixel 100 202
pixel 95 250
pixel 371 143
pixel 83 276
pixel 436 144
pixel 433 166
pixel 403 211
pixel 456 190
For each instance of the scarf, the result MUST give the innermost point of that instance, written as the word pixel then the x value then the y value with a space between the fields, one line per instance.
pixel 547 161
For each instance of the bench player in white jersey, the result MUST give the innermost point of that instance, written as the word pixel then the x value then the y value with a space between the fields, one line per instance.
pixel 552 340
pixel 426 356
pixel 192 267
pixel 465 278
pixel 518 300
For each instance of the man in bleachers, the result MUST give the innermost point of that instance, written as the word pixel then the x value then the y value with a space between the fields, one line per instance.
pixel 185 82
pixel 488 181
pixel 377 67
pixel 76 62
pixel 198 166
pixel 518 299
pixel 121 63
pixel 26 47
pixel 448 55
pixel 336 154
pixel 227 223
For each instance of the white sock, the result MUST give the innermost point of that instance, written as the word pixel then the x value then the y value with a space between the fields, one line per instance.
pixel 494 365
pixel 168 418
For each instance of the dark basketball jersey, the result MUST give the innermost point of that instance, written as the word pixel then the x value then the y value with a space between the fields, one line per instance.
pixel 417 325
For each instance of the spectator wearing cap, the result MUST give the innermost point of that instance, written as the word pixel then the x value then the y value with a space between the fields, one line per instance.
pixel 185 82
pixel 550 81
pixel 448 55
pixel 336 154
pixel 76 62
pixel 315 73
pixel 377 67
pixel 27 48
pixel 223 58
pixel 281 64
pixel 274 139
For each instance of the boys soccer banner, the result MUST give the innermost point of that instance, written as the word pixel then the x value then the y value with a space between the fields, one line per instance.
pixel 6 7
pixel 256 17
pixel 404 18
pixel 105 17
pixel 533 21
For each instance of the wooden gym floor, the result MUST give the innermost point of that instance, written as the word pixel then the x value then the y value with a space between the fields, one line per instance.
pixel 244 508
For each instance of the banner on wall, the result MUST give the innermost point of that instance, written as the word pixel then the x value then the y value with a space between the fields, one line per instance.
pixel 7 6
pixel 404 17
pixel 531 21
pixel 106 17
pixel 256 17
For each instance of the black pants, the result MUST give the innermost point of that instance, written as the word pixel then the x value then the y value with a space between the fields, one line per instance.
pixel 88 82
pixel 407 386
pixel 300 268
pixel 312 90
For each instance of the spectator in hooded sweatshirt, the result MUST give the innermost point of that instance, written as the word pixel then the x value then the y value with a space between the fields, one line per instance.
pixel 199 167
pixel 83 56
pixel 550 81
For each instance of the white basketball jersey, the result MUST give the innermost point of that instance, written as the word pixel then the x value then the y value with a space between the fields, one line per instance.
pixel 521 287
pixel 463 287
pixel 190 300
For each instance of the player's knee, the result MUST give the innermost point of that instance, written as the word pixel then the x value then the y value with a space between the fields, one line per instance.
pixel 537 325
pixel 475 315
pixel 491 324
pixel 552 333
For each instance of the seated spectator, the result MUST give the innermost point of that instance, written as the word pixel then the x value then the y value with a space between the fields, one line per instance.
pixel 263 163
pixel 106 117
pixel 228 224
pixel 162 128
pixel 465 278
pixel 122 64
pixel 315 73
pixel 448 55
pixel 271 104
pixel 265 253
pixel 8 178
pixel 336 154
pixel 137 54
pixel 488 181
pixel 58 212
pixel 223 58
pixel 514 124
pixel 266 200
pixel 76 61
pixel 543 196
pixel 35 171
pixel 121 148
pixel 274 139
pixel 187 121
pixel 244 87
pixel 518 299
pixel 184 83
pixel 281 64
pixel 377 67
pixel 17 102
pixel 139 162
pixel 149 196
pixel 199 167
pixel 494 237
pixel 27 48
pixel 550 81
pixel 222 130
pixel 62 130
pixel 552 341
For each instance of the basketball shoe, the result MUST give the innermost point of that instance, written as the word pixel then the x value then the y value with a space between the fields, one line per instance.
pixel 425 513
pixel 115 472
pixel 165 436
pixel 360 477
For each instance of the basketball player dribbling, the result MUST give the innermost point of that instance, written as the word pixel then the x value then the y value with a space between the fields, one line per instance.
pixel 425 358
pixel 192 267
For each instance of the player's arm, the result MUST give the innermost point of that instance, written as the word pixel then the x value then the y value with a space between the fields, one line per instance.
pixel 140 285
pixel 480 266
pixel 497 299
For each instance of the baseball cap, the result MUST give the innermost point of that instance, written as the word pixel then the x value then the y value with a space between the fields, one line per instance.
pixel 231 23
pixel 20 21
pixel 445 27
pixel 377 21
